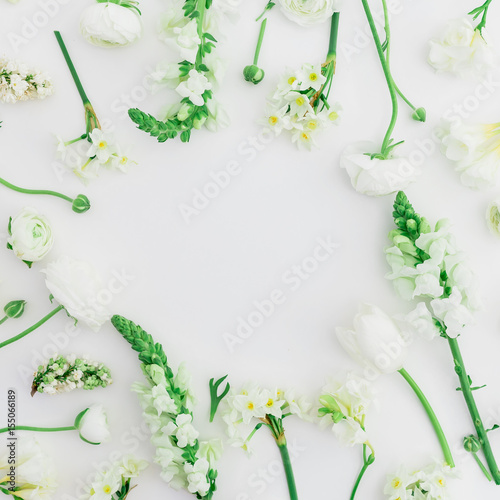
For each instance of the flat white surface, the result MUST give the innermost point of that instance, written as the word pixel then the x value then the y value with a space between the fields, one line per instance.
pixel 188 283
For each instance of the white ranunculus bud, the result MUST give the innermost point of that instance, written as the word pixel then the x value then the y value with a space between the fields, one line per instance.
pixel 493 217
pixel 30 235
pixel 309 12
pixel 110 25
pixel 375 340
pixel 92 424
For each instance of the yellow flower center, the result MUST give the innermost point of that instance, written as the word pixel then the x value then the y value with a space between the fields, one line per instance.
pixel 292 80
pixel 300 101
pixel 333 115
pixel 441 482
pixel 92 491
pixel 305 136
pixel 107 489
pixel 250 406
pixel 270 403
pixel 313 77
pixel 312 125
pixel 102 144
pixel 124 160
pixel 396 483
pixel 273 120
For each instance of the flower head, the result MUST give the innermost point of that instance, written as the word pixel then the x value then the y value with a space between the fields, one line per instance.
pixel 92 424
pixel 194 87
pixel 309 12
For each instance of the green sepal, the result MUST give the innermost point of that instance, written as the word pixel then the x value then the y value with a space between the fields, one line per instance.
pixel 9 227
pixel 79 417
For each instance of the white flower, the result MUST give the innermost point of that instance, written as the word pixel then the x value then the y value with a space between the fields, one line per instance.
pixel 454 314
pixel 162 401
pixel 419 322
pixel 105 485
pixel 185 433
pixel 194 87
pixel 76 286
pixel 250 404
pixel 93 425
pixel 296 405
pixel 218 117
pixel 30 235
pixel 310 76
pixel 188 40
pixel 110 25
pixel 376 177
pixel 493 217
pixel 299 104
pixel 288 82
pixel 102 146
pixel 375 340
pixel 397 483
pixel 211 450
pixel 276 118
pixel 129 466
pixel 309 12
pixel 462 50
pixel 197 476
pixel 166 74
pixel 304 138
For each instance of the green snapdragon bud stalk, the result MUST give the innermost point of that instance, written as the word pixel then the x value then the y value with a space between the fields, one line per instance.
pixel 79 204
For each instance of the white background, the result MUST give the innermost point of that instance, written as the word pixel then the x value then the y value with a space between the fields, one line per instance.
pixel 191 281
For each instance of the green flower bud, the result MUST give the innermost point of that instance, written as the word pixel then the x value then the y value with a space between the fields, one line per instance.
pixel 253 74
pixel 472 444
pixel 185 112
pixel 14 309
pixel 424 226
pixel 419 115
pixel 198 122
pixel 329 402
pixel 81 204
pixel 405 245
pixel 411 226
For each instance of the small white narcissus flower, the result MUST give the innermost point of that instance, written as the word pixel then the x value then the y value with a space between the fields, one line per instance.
pixel 30 235
pixel 462 50
pixel 310 76
pixel 77 287
pixel 130 466
pixel 375 340
pixel 110 25
pixel 102 146
pixel 374 176
pixel 309 12
pixel 194 87
pixel 93 426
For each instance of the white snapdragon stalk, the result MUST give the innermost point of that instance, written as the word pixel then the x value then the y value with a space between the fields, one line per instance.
pixel 30 236
pixel 463 50
pixel 377 343
pixel 114 483
pixel 300 102
pixel 65 373
pixel 418 249
pixel 474 151
pixel 185 462
pixel 94 149
pixel 20 83
pixel 112 23
pixel 35 472
pixel 343 405
pixel 254 407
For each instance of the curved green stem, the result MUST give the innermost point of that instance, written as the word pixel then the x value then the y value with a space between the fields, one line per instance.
pixel 484 470
pixel 385 67
pixel 35 191
pixel 432 417
pixel 474 412
pixel 287 464
pixel 71 68
pixel 262 31
pixel 366 463
pixel 31 328
pixel 37 429
pixel 4 319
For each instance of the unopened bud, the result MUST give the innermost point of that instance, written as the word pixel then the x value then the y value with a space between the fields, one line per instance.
pixel 253 74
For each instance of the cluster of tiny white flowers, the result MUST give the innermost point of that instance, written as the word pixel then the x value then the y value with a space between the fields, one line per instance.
pixel 20 83
pixel 64 374
pixel 289 107
pixel 242 410
pixel 115 480
pixel 444 264
pixel 429 483
pixel 86 158
pixel 173 434
pixel 473 148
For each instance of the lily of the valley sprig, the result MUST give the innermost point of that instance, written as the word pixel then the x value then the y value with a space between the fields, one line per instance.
pixel 100 150
pixel 300 102
pixel 343 406
pixel 246 411
pixel 65 373
pixel 185 461
pixel 427 265
pixel 91 424
pixel 75 285
pixel 80 204
pixel 378 344
pixel 114 482
pixel 194 76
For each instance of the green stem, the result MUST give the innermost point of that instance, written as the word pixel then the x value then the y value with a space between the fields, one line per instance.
pixel 37 429
pixel 287 464
pixel 484 9
pixel 366 464
pixel 201 10
pixel 432 417
pixel 32 328
pixel 259 41
pixel 334 32
pixel 403 96
pixel 3 320
pixel 35 191
pixel 71 68
pixel 83 136
pixel 385 68
pixel 482 467
pixel 474 412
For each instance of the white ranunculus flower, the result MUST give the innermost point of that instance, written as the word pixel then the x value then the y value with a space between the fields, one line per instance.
pixel 110 25
pixel 375 340
pixel 376 177
pixel 76 286
pixel 194 87
pixel 30 235
pixel 309 12
pixel 93 425
pixel 462 50
pixel 493 217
